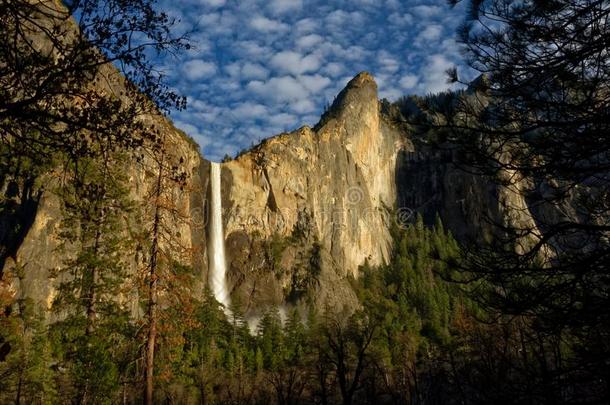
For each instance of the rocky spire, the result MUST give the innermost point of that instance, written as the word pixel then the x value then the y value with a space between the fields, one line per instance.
pixel 357 100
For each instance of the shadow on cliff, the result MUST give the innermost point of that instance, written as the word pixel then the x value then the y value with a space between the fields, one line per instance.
pixel 18 209
pixel 429 183
pixel 419 184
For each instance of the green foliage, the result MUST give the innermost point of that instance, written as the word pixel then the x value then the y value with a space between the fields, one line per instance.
pixel 295 334
pixel 271 339
pixel 305 274
pixel 207 354
pixel 26 372
pixel 275 248
pixel 93 337
pixel 413 296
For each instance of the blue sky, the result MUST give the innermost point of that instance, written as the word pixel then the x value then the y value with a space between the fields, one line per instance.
pixel 259 68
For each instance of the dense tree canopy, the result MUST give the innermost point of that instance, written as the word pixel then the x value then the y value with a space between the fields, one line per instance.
pixel 537 121
pixel 523 319
pixel 78 87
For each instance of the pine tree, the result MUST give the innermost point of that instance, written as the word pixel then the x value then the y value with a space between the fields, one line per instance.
pixel 294 333
pixel 26 373
pixel 94 328
pixel 60 92
pixel 164 249
pixel 271 338
pixel 537 123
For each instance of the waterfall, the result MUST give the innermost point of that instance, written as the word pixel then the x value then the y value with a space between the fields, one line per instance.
pixel 216 243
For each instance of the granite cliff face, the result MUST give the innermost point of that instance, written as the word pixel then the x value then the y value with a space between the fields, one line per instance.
pixel 332 185
pixel 32 266
pixel 302 210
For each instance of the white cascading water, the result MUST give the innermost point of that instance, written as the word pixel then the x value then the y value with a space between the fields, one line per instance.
pixel 216 243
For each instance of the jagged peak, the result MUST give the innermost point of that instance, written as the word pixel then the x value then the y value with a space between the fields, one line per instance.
pixel 362 79
pixel 359 93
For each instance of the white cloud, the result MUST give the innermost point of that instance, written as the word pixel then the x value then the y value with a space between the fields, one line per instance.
pixel 309 41
pixel 393 4
pixel 197 69
pixel 331 49
pixel 310 119
pixel 388 62
pixel 252 50
pixel 333 69
pixel 249 110
pixel 408 81
pixel 424 11
pixel 283 120
pixel 314 83
pixel 254 71
pixel 390 94
pixel 303 106
pixel 433 74
pixel 283 6
pixel 202 140
pixel 186 127
pixel 264 66
pixel 429 34
pixel 215 23
pixel 387 84
pixel 208 116
pixel 213 3
pixel 200 45
pixel 400 19
pixel 227 85
pixel 196 105
pixel 283 89
pixel 294 62
pixel 370 39
pixel 355 52
pixel 233 69
pixel 264 24
pixel 305 26
pixel 341 17
pixel 208 19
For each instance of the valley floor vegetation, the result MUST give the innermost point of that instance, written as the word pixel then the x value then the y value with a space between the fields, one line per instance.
pixel 415 339
pixel 399 347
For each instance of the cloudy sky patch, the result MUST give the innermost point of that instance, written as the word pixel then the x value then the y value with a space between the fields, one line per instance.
pixel 260 67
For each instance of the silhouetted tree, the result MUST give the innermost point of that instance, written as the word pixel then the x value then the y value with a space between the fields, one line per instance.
pixel 537 122
pixel 73 75
pixel 346 347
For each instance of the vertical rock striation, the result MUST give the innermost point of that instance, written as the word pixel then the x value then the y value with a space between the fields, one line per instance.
pixel 302 210
pixel 333 184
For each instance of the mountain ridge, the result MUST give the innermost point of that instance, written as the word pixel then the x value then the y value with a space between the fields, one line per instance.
pixel 326 195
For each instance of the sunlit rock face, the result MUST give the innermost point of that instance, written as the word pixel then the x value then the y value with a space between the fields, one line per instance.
pixel 302 210
pixel 343 184
pixel 333 184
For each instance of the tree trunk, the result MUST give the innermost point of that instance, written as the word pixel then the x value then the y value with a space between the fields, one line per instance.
pixel 19 385
pixel 152 293
pixel 152 336
pixel 91 296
